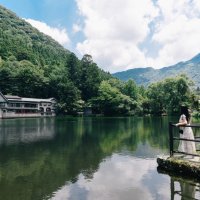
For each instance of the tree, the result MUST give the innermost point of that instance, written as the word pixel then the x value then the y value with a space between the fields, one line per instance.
pixel 69 98
pixel 6 79
pixel 90 78
pixel 73 66
pixel 30 80
pixel 169 95
pixel 155 95
pixel 112 101
pixel 131 89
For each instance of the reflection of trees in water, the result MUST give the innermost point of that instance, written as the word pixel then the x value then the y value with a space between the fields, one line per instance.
pixel 114 133
pixel 78 146
pixel 184 189
pixel 34 171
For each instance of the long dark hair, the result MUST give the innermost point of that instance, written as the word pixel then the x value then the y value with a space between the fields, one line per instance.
pixel 185 111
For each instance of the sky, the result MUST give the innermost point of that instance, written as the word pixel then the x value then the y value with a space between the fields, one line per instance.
pixel 118 34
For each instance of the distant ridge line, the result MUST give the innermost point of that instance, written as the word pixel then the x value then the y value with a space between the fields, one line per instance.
pixel 148 75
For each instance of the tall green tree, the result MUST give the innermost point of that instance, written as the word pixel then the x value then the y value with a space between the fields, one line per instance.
pixel 74 70
pixel 90 78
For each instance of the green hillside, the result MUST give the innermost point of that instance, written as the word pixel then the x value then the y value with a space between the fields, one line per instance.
pixel 32 64
pixel 145 76
pixel 20 41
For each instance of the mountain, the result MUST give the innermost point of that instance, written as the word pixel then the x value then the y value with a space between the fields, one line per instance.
pixel 145 76
pixel 32 64
pixel 19 40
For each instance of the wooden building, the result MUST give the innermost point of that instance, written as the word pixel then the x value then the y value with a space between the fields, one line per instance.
pixel 15 106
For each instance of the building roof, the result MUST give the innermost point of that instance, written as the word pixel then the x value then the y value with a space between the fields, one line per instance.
pixel 24 99
pixel 36 100
pixel 12 97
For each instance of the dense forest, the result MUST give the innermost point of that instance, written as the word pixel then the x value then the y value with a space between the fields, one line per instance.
pixel 34 65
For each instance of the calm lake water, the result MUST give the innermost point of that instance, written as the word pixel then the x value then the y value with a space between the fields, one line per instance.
pixel 87 159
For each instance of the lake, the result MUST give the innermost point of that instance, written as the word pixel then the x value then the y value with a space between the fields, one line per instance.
pixel 65 158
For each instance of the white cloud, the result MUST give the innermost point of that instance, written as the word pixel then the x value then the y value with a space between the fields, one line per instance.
pixel 115 29
pixel 58 34
pixel 178 32
pixel 126 181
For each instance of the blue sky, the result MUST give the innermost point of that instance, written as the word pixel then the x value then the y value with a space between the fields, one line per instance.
pixel 119 34
pixel 49 11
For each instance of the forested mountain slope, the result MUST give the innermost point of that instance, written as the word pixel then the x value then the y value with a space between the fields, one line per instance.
pixel 20 40
pixel 145 76
pixel 32 64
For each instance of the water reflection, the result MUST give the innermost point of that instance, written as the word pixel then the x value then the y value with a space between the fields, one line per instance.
pixel 82 158
pixel 15 131
pixel 184 189
pixel 118 177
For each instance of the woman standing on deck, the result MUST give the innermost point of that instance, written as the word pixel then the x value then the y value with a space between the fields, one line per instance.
pixel 186 132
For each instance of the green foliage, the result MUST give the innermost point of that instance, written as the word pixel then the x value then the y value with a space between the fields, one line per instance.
pixel 169 95
pixel 73 66
pixel 112 101
pixel 155 95
pixel 90 78
pixel 131 89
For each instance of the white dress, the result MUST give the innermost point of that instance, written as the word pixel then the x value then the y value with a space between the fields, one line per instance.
pixel 186 146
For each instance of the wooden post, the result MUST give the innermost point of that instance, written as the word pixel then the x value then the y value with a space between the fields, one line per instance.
pixel 172 188
pixel 171 143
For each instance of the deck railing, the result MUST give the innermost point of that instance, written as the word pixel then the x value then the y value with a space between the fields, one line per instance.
pixel 172 139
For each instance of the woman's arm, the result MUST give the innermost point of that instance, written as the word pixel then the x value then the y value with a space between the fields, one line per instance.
pixel 182 121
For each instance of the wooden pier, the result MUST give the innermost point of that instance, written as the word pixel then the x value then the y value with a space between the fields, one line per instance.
pixel 185 164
